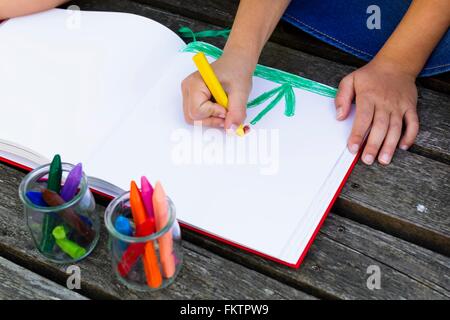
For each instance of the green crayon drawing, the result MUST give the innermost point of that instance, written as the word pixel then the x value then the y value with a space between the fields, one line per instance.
pixel 287 81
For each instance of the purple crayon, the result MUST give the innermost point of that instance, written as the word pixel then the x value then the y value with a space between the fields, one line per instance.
pixel 70 188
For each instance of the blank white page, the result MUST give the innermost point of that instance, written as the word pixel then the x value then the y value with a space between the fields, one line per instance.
pixel 68 78
pixel 258 205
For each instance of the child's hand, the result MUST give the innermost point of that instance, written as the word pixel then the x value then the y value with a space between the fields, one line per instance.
pixel 235 75
pixel 385 96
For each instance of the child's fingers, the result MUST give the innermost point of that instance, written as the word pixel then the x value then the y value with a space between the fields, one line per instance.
pixel 237 108
pixel 199 105
pixel 411 131
pixel 217 122
pixel 207 109
pixel 377 134
pixel 344 97
pixel 391 140
pixel 185 94
pixel 363 120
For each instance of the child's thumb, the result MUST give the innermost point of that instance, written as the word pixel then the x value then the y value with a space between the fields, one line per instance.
pixel 237 109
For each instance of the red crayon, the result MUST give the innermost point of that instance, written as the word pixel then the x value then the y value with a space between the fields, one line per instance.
pixel 135 250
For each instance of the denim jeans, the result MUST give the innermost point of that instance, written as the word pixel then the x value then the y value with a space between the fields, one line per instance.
pixel 344 24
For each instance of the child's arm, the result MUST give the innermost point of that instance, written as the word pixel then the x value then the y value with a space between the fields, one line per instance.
pixel 15 8
pixel 385 88
pixel 254 22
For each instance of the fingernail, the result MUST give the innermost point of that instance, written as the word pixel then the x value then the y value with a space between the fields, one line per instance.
pixel 231 130
pixel 339 113
pixel 368 159
pixel 354 148
pixel 404 147
pixel 385 158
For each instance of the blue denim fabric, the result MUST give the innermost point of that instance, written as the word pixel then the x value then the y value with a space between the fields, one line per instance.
pixel 343 24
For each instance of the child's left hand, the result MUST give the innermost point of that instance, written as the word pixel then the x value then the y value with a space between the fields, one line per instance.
pixel 385 96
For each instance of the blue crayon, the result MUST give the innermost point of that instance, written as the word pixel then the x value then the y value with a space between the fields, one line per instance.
pixel 36 198
pixel 123 226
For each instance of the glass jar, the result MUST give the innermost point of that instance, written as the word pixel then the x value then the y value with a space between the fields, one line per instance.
pixel 67 232
pixel 145 263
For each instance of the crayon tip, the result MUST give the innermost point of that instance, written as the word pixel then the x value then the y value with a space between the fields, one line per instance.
pixel 240 130
pixel 36 198
pixel 159 192
pixel 70 187
pixel 57 157
pixel 123 226
pixel 145 184
pixel 59 233
pixel 56 161
pixel 147 194
pixel 133 187
pixel 78 168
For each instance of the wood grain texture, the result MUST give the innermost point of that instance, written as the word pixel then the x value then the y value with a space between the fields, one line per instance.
pixel 17 283
pixel 434 139
pixel 334 268
pixel 409 198
pixel 222 12
pixel 336 264
pixel 204 274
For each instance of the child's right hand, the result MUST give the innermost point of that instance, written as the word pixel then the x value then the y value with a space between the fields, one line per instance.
pixel 235 75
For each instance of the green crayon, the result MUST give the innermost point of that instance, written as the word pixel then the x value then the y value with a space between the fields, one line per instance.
pixel 54 184
pixel 67 246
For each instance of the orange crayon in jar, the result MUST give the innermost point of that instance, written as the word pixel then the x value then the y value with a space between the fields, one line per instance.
pixel 151 267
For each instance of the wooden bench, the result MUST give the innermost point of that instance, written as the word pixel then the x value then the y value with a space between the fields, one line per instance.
pixel 394 217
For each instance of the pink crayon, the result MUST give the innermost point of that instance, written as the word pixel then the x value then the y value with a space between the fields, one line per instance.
pixel 147 196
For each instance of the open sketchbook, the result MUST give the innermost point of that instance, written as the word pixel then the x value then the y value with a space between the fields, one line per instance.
pixel 105 90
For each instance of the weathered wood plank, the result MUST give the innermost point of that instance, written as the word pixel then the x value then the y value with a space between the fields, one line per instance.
pixel 409 198
pixel 221 13
pixel 338 260
pixel 417 263
pixel 204 274
pixel 333 268
pixel 434 139
pixel 17 283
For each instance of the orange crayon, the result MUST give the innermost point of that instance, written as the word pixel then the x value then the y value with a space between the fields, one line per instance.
pixel 166 241
pixel 151 267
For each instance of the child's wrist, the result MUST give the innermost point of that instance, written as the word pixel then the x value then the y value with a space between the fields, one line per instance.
pixel 247 57
pixel 396 63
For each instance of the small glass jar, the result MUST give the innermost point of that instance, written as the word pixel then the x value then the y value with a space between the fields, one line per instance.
pixel 65 233
pixel 147 263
